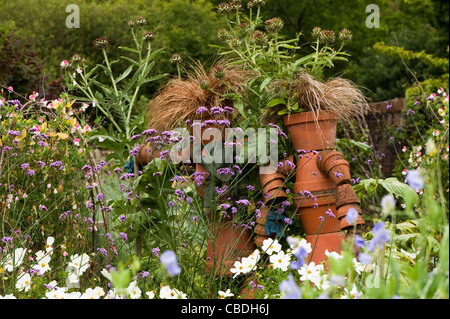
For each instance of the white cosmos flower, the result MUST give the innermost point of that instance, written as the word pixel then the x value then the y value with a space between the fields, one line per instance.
pixel 10 296
pixel 225 294
pixel 133 290
pixel 49 244
pixel 281 260
pixel 150 294
pixel 93 293
pixel 311 272
pixel 81 263
pixel 271 246
pixel 238 268
pixel 59 293
pixel 167 293
pixel 42 264
pixel 14 260
pixel 23 282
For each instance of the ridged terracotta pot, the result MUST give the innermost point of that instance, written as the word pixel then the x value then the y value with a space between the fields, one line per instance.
pixel 312 131
pixel 308 175
pixel 259 228
pixel 228 243
pixel 323 242
pixel 272 186
pixel 333 164
pixel 146 155
pixel 310 212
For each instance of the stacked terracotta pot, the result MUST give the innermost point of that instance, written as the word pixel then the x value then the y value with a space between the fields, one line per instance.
pixel 322 190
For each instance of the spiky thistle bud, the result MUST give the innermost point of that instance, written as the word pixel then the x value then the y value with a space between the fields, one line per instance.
pixel 131 23
pixel 219 72
pixel 149 36
pixel 327 36
pixel 101 43
pixel 274 25
pixel 224 8
pixel 259 3
pixel 259 38
pixel 175 59
pixel 234 43
pixel 345 35
pixel 223 34
pixel 141 21
pixel 316 32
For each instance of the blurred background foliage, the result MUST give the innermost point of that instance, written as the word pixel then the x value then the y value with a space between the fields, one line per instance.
pixel 34 38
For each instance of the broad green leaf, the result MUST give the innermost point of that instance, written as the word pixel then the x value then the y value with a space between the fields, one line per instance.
pixel 276 102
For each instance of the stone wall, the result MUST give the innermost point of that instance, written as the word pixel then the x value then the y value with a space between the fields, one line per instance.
pixel 387 117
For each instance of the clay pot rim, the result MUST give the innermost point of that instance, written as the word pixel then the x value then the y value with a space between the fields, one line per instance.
pixel 328 198
pixel 310 116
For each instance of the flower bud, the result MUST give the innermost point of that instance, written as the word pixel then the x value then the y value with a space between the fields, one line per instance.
pixel 316 32
pixel 141 21
pixel 223 34
pixel 327 36
pixel 219 72
pixel 274 25
pixel 345 35
pixel 259 38
pixel 149 36
pixel 175 59
pixel 101 43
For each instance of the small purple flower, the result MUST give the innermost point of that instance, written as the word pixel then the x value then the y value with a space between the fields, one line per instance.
pixel 41 164
pixel 201 109
pixel 122 218
pixel 250 187
pixel 24 165
pixel 170 204
pixel 100 196
pixel 156 251
pixel 123 236
pixel 30 172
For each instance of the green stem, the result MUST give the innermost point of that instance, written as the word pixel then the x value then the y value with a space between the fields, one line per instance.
pixel 110 72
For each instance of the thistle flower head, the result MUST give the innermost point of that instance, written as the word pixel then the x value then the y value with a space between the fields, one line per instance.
pixel 223 34
pixel 149 36
pixel 274 25
pixel 224 8
pixel 175 59
pixel 141 21
pixel 327 36
pixel 101 43
pixel 345 35
pixel 219 72
pixel 316 32
pixel 259 37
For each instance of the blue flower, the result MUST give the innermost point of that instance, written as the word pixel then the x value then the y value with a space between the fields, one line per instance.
pixel 300 254
pixel 289 289
pixel 414 179
pixel 169 260
pixel 359 242
pixel 352 215
pixel 380 237
pixel 364 258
